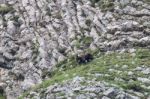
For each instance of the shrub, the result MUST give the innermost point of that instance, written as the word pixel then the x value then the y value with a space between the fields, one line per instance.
pixel 143 54
pixel 5 9
pixel 88 22
pixel 62 50
pixel 2 93
pixel 87 41
pixel 78 43
pixel 83 42
pixel 147 1
pixel 94 1
pixel 133 86
pixel 46 73
pixel 106 5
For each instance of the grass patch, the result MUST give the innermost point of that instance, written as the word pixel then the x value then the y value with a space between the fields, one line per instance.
pixel 147 1
pixel 133 86
pixel 67 68
pixel 83 42
pixel 104 5
pixel 2 97
pixel 5 9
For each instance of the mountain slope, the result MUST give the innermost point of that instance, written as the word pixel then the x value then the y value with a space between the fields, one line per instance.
pixel 113 75
pixel 36 35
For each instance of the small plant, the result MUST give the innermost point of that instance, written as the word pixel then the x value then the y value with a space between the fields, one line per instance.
pixel 45 73
pixel 87 41
pixel 15 18
pixel 106 5
pixel 94 1
pixel 143 54
pixel 58 15
pixel 5 9
pixel 78 43
pixel 84 42
pixel 147 1
pixel 2 96
pixel 88 22
pixel 35 50
pixel 135 86
pixel 62 51
pixel 67 63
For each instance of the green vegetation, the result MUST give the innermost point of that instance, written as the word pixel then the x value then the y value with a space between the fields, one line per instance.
pixel 134 86
pixel 2 96
pixel 62 50
pixel 68 69
pixel 87 41
pixel 104 5
pixel 147 1
pixel 5 9
pixel 35 50
pixel 88 22
pixel 84 42
pixel 94 1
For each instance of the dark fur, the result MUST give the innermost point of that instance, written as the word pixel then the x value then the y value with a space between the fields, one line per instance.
pixel 84 58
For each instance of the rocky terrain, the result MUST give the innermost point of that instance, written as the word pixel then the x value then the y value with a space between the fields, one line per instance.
pixel 114 75
pixel 38 36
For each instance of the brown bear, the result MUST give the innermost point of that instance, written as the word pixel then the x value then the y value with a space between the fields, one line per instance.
pixel 82 59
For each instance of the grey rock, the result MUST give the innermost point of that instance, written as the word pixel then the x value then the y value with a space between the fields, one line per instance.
pixel 146 71
pixel 110 92
pixel 104 97
pixel 144 80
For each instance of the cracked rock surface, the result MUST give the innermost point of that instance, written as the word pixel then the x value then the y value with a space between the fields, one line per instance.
pixel 35 35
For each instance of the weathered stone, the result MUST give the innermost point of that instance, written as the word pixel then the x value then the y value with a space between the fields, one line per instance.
pixel 38 34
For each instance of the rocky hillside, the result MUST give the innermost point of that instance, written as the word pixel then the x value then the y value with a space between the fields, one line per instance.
pixel 39 35
pixel 111 75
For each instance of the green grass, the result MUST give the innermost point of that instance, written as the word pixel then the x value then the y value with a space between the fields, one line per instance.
pixel 104 5
pixel 83 42
pixel 147 1
pixel 67 69
pixel 5 9
pixel 2 97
